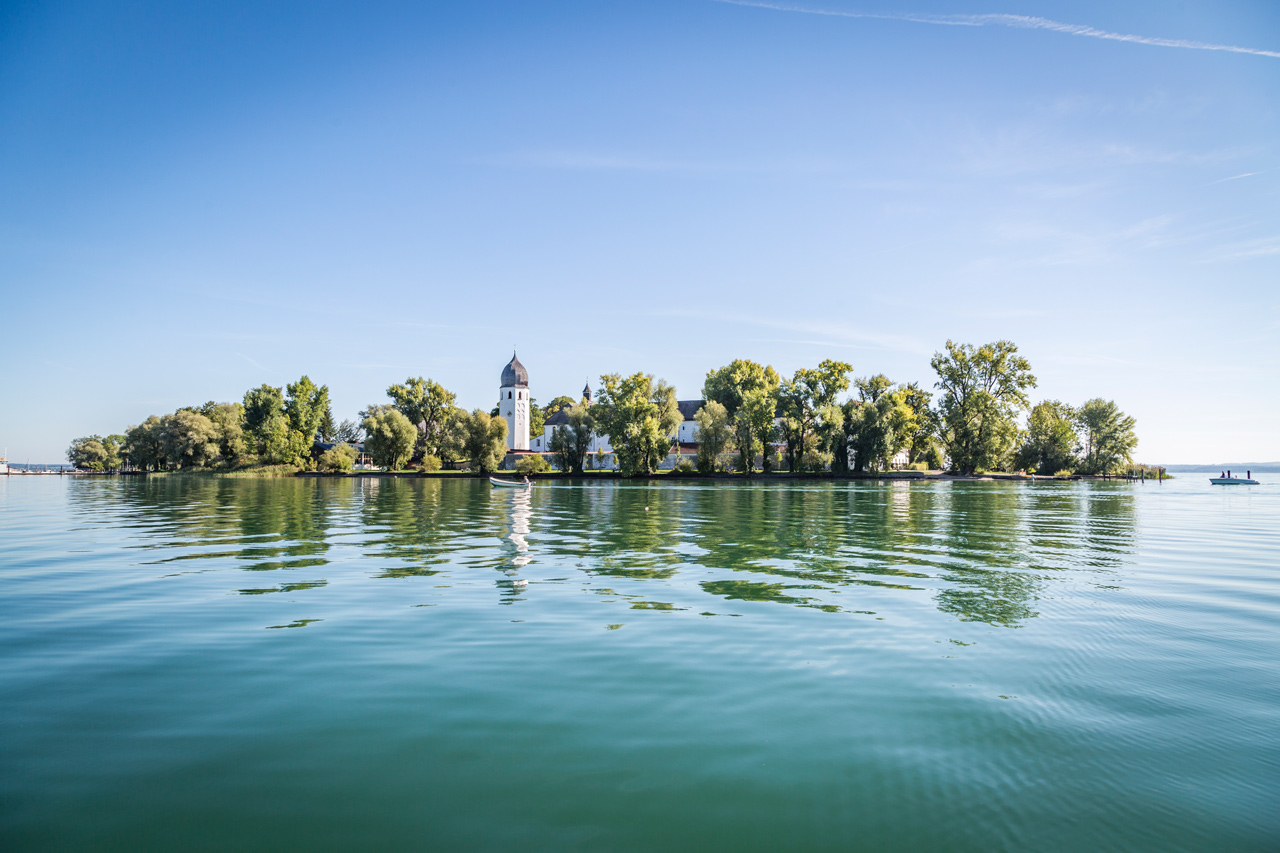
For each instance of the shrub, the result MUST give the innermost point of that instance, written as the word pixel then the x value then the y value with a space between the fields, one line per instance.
pixel 338 458
pixel 1063 473
pixel 816 460
pixel 684 466
pixel 918 466
pixel 532 464
pixel 430 464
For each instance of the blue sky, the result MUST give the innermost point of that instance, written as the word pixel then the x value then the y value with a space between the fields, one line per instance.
pixel 199 198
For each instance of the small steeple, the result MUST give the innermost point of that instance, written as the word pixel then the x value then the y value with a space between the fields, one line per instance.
pixel 586 392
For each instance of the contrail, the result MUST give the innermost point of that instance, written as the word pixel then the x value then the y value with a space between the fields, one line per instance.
pixel 1021 21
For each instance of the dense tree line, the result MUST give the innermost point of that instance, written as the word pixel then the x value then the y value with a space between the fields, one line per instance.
pixel 751 418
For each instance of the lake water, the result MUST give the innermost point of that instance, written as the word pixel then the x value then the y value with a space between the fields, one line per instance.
pixel 191 663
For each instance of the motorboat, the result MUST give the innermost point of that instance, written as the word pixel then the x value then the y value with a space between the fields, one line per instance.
pixel 509 484
pixel 1233 481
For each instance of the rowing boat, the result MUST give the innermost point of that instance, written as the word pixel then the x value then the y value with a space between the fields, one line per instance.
pixel 510 484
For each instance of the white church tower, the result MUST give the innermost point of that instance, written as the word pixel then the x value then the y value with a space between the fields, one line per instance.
pixel 513 403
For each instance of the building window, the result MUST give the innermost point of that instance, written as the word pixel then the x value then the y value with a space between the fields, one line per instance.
pixel 508 395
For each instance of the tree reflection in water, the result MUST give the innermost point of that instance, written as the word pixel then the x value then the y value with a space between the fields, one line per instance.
pixel 981 551
pixel 260 524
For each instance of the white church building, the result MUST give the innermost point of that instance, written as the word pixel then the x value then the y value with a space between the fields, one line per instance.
pixel 514 403
pixel 513 407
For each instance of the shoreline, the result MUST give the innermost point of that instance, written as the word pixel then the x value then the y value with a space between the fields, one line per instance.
pixel 786 476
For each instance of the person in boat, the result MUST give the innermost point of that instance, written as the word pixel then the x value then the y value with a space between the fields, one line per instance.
pixel 1248 475
pixel 526 479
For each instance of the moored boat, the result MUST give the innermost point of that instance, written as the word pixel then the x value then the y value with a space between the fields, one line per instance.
pixel 1233 481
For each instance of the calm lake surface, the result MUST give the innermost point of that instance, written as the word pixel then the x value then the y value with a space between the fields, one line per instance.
pixel 191 663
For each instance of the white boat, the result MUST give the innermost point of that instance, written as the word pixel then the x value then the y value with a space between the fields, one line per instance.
pixel 510 484
pixel 1232 481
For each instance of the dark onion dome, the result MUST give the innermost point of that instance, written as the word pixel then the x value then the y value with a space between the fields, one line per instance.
pixel 514 374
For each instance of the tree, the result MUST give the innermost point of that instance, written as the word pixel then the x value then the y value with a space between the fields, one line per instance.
pixel 537 419
pixel 755 423
pixel 486 441
pixel 748 392
pixel 801 398
pixel 871 390
pixel 983 391
pixel 1108 437
pixel 1049 445
pixel 114 445
pixel 228 421
pixel 328 430
pixel 640 416
pixel 571 441
pixel 453 439
pixel 348 431
pixel 264 421
pixel 427 404
pixel 877 429
pixel 561 402
pixel 389 437
pixel 881 421
pixel 533 463
pixel 143 445
pixel 715 436
pixel 189 438
pixel 831 445
pixel 304 410
pixel 920 441
pixel 88 453
pixel 339 458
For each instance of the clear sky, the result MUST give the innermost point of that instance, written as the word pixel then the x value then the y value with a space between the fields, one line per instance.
pixel 196 199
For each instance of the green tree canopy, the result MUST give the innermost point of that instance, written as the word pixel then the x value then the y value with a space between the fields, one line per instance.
pixel 486 441
pixel 143 444
pixel 715 436
pixel 228 420
pixel 801 397
pixel 453 439
pixel 189 438
pixel 923 425
pixel 1049 445
pixel 348 431
pixel 561 402
pixel 571 441
pixel 328 429
pixel 640 416
pixel 537 419
pixel 389 437
pixel 260 405
pixel 88 453
pixel 870 390
pixel 304 409
pixel 427 404
pixel 1107 435
pixel 878 425
pixel 746 390
pixel 532 463
pixel 983 389
pixel 338 459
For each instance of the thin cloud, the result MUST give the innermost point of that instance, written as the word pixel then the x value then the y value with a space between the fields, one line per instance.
pixel 1238 177
pixel 255 363
pixel 1026 22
